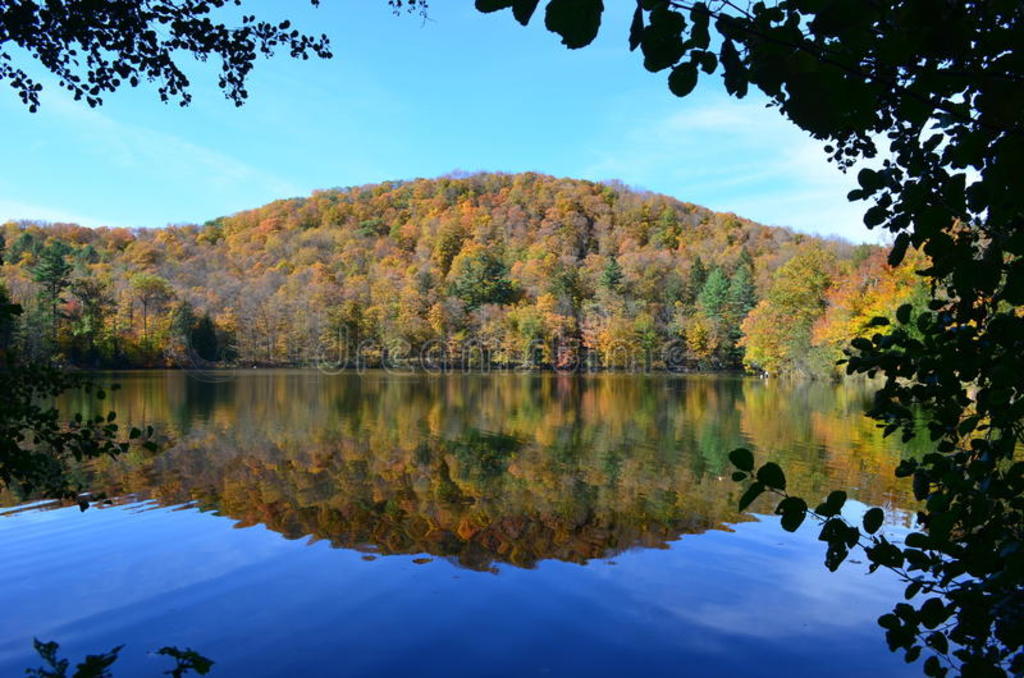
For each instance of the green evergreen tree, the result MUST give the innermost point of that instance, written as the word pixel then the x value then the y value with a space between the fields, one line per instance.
pixel 742 296
pixel 24 243
pixel 204 339
pixel 746 261
pixel 197 333
pixel 183 319
pixel 481 278
pixel 740 301
pixel 611 276
pixel 8 311
pixel 94 306
pixel 714 295
pixel 86 255
pixel 53 273
pixel 698 276
pixel 666 229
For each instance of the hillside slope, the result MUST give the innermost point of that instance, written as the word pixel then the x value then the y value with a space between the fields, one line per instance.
pixel 519 268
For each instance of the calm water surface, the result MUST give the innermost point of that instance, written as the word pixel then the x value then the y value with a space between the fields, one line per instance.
pixel 463 525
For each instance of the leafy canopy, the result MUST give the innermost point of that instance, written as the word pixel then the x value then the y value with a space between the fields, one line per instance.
pixel 95 48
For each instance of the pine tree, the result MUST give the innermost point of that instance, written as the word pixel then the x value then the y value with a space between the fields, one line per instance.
pixel 742 297
pixel 95 304
pixel 8 312
pixel 713 296
pixel 183 319
pixel 746 261
pixel 698 276
pixel 479 277
pixel 740 301
pixel 611 276
pixel 204 339
pixel 53 273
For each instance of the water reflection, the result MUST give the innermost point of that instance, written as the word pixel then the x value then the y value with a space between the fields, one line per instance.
pixel 486 469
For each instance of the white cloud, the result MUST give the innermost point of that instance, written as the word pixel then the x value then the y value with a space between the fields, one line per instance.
pixel 740 157
pixel 153 151
pixel 100 168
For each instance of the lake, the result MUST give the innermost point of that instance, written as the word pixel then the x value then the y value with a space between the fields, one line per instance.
pixel 305 524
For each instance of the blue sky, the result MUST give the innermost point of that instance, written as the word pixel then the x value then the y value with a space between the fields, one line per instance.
pixel 403 99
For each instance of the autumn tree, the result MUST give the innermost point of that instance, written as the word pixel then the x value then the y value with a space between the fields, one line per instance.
pixel 704 339
pixel 777 333
pixel 295 281
pixel 868 291
pixel 22 244
pixel 150 291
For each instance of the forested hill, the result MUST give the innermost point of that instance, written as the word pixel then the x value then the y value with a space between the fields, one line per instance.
pixel 517 268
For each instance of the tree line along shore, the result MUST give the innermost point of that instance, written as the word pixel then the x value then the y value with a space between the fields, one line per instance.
pixel 481 270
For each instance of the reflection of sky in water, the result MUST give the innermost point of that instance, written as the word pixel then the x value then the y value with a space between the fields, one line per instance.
pixel 486 470
pixel 750 603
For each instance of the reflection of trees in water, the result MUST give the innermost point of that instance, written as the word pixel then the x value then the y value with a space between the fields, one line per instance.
pixel 489 469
